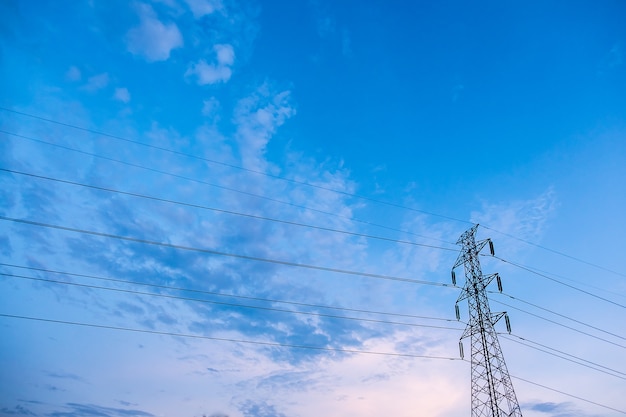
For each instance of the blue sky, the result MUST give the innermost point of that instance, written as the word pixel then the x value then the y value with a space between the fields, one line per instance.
pixel 192 192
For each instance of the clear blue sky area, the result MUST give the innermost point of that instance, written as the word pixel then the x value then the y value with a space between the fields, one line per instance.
pixel 251 208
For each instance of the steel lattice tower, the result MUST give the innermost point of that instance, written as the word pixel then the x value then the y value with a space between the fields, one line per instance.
pixel 492 390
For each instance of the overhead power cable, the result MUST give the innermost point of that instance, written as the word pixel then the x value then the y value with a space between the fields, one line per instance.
pixel 557 252
pixel 565 356
pixel 294 181
pixel 200 300
pixel 233 255
pixel 219 294
pixel 234 213
pixel 222 187
pixel 254 342
pixel 569 395
pixel 559 314
pixel 562 392
pixel 560 324
pixel 525 268
pixel 212 161
pixel 585 284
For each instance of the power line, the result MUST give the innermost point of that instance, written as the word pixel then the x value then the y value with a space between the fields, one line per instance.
pixel 294 312
pixel 561 324
pixel 294 181
pixel 569 395
pixel 228 304
pixel 167 287
pixel 254 342
pixel 274 200
pixel 557 252
pixel 561 392
pixel 559 314
pixel 164 200
pixel 233 255
pixel 586 284
pixel 174 152
pixel 525 268
pixel 588 364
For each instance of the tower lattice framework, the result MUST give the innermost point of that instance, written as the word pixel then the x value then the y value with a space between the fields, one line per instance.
pixel 492 390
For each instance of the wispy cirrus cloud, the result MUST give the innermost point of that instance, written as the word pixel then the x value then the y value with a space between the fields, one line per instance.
pixel 18 410
pixel 152 39
pixel 260 409
pixel 257 117
pixel 549 407
pixel 84 410
pixel 554 409
pixel 65 375
pixel 525 219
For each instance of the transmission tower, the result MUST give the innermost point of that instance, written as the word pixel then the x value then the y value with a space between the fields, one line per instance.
pixel 492 390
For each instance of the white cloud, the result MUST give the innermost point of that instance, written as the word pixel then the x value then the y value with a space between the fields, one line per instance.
pixel 209 73
pixel 97 82
pixel 225 54
pixel 364 385
pixel 172 4
pixel 210 107
pixel 153 39
pixel 216 72
pixel 122 94
pixel 237 376
pixel 525 219
pixel 201 8
pixel 257 117
pixel 73 74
